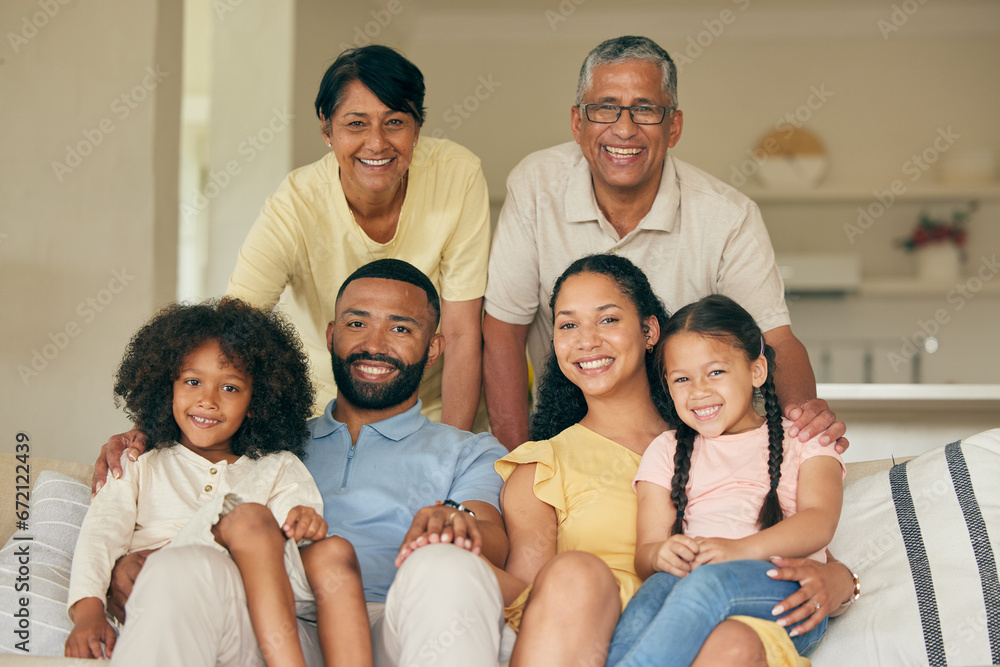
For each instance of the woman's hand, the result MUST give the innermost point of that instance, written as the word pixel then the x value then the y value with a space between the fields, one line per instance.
pixel 110 458
pixel 304 523
pixel 823 588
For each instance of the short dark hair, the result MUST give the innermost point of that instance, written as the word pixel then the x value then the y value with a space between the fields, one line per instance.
pixel 393 79
pixel 404 272
pixel 263 345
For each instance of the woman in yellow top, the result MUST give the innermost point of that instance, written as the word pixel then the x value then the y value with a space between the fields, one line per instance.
pixel 567 499
pixel 382 191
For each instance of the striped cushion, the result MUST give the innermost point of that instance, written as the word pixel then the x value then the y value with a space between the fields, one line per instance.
pixel 56 509
pixel 923 538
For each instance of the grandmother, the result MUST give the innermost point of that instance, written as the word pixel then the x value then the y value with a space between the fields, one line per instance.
pixel 382 191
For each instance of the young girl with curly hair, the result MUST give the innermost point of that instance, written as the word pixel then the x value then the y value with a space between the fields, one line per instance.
pixel 222 390
pixel 721 493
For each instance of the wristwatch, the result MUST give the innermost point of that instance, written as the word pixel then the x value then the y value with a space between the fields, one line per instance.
pixel 462 508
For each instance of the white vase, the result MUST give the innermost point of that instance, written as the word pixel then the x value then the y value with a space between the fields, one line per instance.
pixel 939 262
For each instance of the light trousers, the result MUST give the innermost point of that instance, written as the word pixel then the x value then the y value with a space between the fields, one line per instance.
pixel 188 608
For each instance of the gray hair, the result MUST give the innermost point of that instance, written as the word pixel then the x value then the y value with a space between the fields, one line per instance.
pixel 623 49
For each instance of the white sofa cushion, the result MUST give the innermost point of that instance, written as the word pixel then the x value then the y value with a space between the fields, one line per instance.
pixel 923 539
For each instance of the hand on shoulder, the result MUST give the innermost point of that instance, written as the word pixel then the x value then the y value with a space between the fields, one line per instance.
pixel 814 417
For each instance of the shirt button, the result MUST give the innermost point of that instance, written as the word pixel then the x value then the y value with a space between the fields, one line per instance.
pixel 212 471
pixel 208 487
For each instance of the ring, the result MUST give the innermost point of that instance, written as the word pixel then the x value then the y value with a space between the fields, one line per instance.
pixel 817 604
pixel 451 516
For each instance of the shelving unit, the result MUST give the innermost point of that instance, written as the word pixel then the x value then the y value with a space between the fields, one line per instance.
pixel 914 287
pixel 922 397
pixel 849 194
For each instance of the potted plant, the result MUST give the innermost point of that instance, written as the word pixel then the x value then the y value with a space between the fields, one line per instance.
pixel 939 244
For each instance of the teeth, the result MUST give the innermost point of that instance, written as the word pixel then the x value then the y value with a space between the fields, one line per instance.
pixel 376 163
pixel 202 420
pixel 706 412
pixel 623 152
pixel 374 370
pixel 597 363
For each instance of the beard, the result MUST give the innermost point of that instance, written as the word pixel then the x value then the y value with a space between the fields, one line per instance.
pixel 377 396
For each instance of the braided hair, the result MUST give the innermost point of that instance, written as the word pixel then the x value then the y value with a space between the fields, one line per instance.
pixel 560 403
pixel 720 317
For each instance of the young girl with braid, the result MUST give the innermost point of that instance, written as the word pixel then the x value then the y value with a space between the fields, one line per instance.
pixel 721 493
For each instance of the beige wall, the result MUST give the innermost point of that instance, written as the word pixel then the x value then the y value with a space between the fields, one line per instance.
pixel 251 123
pixel 888 98
pixel 87 248
pixel 512 72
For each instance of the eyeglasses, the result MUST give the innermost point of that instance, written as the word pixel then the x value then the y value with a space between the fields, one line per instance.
pixel 643 114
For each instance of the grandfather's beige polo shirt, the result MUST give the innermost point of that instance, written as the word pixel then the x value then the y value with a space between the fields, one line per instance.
pixel 700 237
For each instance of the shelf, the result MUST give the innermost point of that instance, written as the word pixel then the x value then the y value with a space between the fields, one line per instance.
pixel 922 397
pixel 915 287
pixel 847 195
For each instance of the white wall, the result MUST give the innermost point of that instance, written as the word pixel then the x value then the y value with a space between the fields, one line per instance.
pixel 86 248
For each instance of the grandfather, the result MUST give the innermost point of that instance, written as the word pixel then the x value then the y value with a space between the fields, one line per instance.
pixel 617 190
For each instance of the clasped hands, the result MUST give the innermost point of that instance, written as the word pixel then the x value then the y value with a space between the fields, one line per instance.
pixel 441 524
pixel 679 555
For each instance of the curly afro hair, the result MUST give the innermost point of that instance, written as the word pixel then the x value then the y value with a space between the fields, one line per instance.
pixel 263 345
pixel 560 403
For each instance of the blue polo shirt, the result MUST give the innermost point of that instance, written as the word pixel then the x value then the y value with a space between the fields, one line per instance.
pixel 371 490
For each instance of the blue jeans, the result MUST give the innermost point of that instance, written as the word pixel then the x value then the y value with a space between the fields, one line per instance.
pixel 670 618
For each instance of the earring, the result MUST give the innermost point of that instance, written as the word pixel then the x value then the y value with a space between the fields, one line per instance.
pixel 649 348
pixel 329 144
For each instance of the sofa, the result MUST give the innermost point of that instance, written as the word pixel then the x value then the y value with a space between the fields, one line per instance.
pixel 921 533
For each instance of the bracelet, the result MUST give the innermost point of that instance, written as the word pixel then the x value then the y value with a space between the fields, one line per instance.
pixel 855 595
pixel 462 508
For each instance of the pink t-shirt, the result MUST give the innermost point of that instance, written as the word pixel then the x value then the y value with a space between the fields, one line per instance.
pixel 729 479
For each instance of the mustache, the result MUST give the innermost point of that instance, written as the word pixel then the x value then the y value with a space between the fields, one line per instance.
pixel 384 358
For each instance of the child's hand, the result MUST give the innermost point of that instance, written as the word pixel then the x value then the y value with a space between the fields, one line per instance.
pixel 676 555
pixel 303 523
pixel 90 630
pixel 718 550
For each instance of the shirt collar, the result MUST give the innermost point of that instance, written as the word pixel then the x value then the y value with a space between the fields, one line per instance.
pixel 581 203
pixel 394 428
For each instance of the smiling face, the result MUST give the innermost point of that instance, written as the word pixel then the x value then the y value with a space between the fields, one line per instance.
pixel 711 383
pixel 599 340
pixel 624 156
pixel 373 144
pixel 380 342
pixel 211 399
